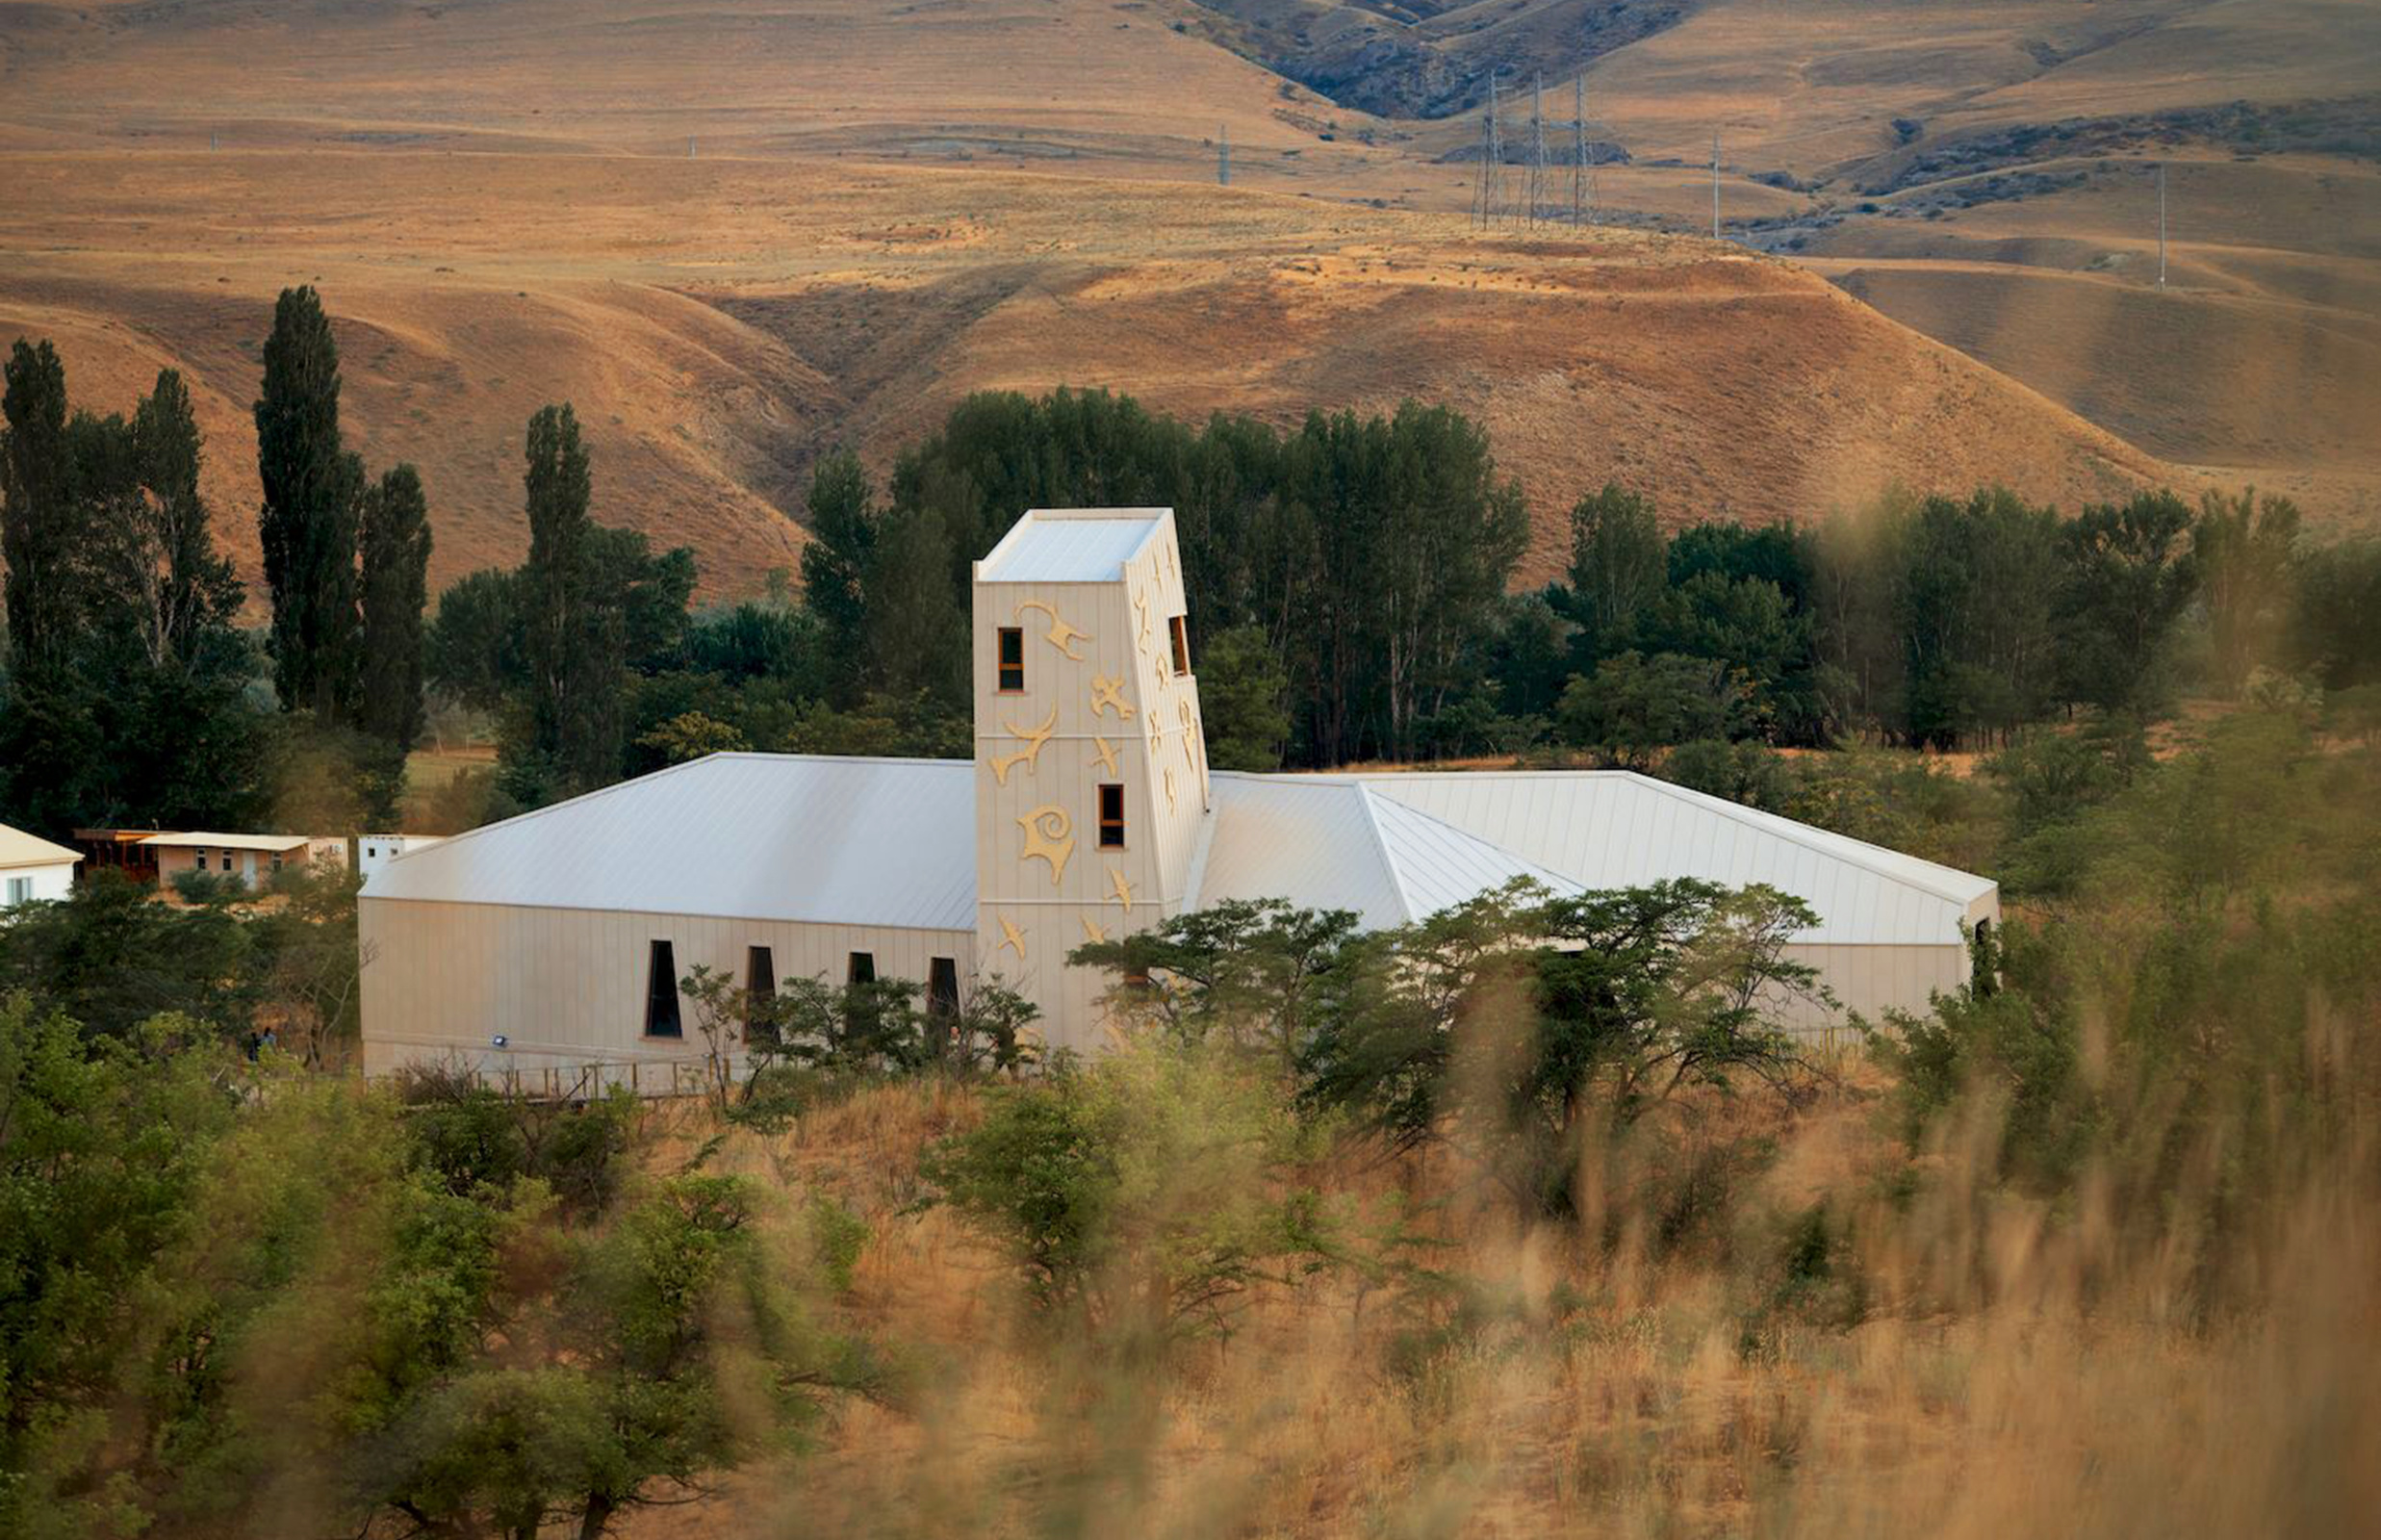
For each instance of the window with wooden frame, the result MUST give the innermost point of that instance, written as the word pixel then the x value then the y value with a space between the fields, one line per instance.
pixel 1178 630
pixel 661 992
pixel 1112 815
pixel 1011 660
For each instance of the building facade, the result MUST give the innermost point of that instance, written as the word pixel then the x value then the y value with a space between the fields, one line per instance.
pixel 32 869
pixel 551 946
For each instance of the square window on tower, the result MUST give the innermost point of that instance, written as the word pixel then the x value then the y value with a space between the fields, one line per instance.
pixel 1011 660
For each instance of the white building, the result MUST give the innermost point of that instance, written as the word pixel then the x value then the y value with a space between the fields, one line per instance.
pixel 375 851
pixel 32 869
pixel 556 940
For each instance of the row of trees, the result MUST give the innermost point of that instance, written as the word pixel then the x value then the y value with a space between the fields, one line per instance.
pixel 128 684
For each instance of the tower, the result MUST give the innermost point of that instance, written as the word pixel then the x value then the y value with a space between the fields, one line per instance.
pixel 1091 762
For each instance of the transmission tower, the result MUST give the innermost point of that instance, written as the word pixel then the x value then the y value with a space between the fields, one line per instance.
pixel 1715 184
pixel 1492 163
pixel 1537 147
pixel 2161 224
pixel 1582 180
pixel 1223 156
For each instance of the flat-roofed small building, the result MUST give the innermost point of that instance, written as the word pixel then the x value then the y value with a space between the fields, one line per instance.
pixel 253 858
pixel 558 940
pixel 32 869
pixel 375 851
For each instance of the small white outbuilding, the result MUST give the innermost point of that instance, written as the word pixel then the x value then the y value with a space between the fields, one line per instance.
pixel 32 869
pixel 557 940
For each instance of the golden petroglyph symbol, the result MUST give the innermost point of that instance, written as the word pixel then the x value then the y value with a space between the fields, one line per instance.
pixel 1121 889
pixel 1169 789
pixel 1108 756
pixel 1049 836
pixel 1190 733
pixel 1060 636
pixel 1031 755
pixel 1092 932
pixel 1011 939
pixel 1107 694
pixel 1140 602
pixel 1157 740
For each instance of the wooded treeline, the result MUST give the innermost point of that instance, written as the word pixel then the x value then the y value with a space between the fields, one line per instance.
pixel 1349 583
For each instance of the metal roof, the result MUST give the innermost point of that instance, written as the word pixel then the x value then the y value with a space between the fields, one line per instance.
pixel 1335 844
pixel 1071 546
pixel 18 848
pixel 816 839
pixel 205 840
pixel 1615 829
pixel 892 842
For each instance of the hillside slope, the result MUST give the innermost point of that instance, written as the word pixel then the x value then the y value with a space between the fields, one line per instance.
pixel 719 325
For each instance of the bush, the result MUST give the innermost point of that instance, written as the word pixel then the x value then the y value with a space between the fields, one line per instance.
pixel 1146 1189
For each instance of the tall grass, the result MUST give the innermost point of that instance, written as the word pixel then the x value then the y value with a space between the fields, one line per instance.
pixel 2137 1292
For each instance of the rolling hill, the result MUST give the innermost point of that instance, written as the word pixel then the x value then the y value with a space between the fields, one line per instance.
pixel 887 207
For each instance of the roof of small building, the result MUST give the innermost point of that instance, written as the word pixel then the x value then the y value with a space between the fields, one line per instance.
pixel 18 848
pixel 1070 545
pixel 276 844
pixel 891 842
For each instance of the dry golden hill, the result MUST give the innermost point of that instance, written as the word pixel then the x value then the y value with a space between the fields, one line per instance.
pixel 718 323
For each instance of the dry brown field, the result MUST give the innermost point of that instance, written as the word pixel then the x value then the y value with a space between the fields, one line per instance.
pixel 889 207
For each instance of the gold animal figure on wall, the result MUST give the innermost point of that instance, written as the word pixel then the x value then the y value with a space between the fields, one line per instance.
pixel 1031 755
pixel 1091 931
pixel 1108 756
pixel 1049 837
pixel 1107 694
pixel 1011 939
pixel 1060 636
pixel 1121 889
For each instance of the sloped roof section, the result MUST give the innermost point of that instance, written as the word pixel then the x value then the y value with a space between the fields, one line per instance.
pixel 1070 545
pixel 799 837
pixel 1332 843
pixel 18 848
pixel 1614 828
pixel 202 839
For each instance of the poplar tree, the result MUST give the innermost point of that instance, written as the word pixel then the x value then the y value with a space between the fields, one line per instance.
pixel 395 540
pixel 575 641
pixel 307 524
pixel 39 516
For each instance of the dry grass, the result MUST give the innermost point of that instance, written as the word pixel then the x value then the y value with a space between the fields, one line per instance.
pixel 2020 1368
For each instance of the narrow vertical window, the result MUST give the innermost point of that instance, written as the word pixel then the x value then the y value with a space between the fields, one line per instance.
pixel 1011 659
pixel 861 969
pixel 942 987
pixel 661 992
pixel 759 991
pixel 1178 630
pixel 1112 816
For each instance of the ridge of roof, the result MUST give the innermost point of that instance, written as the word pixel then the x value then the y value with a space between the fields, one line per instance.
pixel 1380 846
pixel 1894 868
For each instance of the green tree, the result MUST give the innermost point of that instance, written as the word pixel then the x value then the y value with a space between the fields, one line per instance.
pixel 2335 597
pixel 2129 577
pixel 1255 972
pixel 837 563
pixel 575 637
pixel 1616 568
pixel 396 558
pixel 2242 551
pixel 307 526
pixel 477 645
pixel 1635 707
pixel 916 625
pixel 41 531
pixel 1244 703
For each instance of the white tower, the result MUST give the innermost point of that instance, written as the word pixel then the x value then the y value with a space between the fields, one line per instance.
pixel 1091 789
